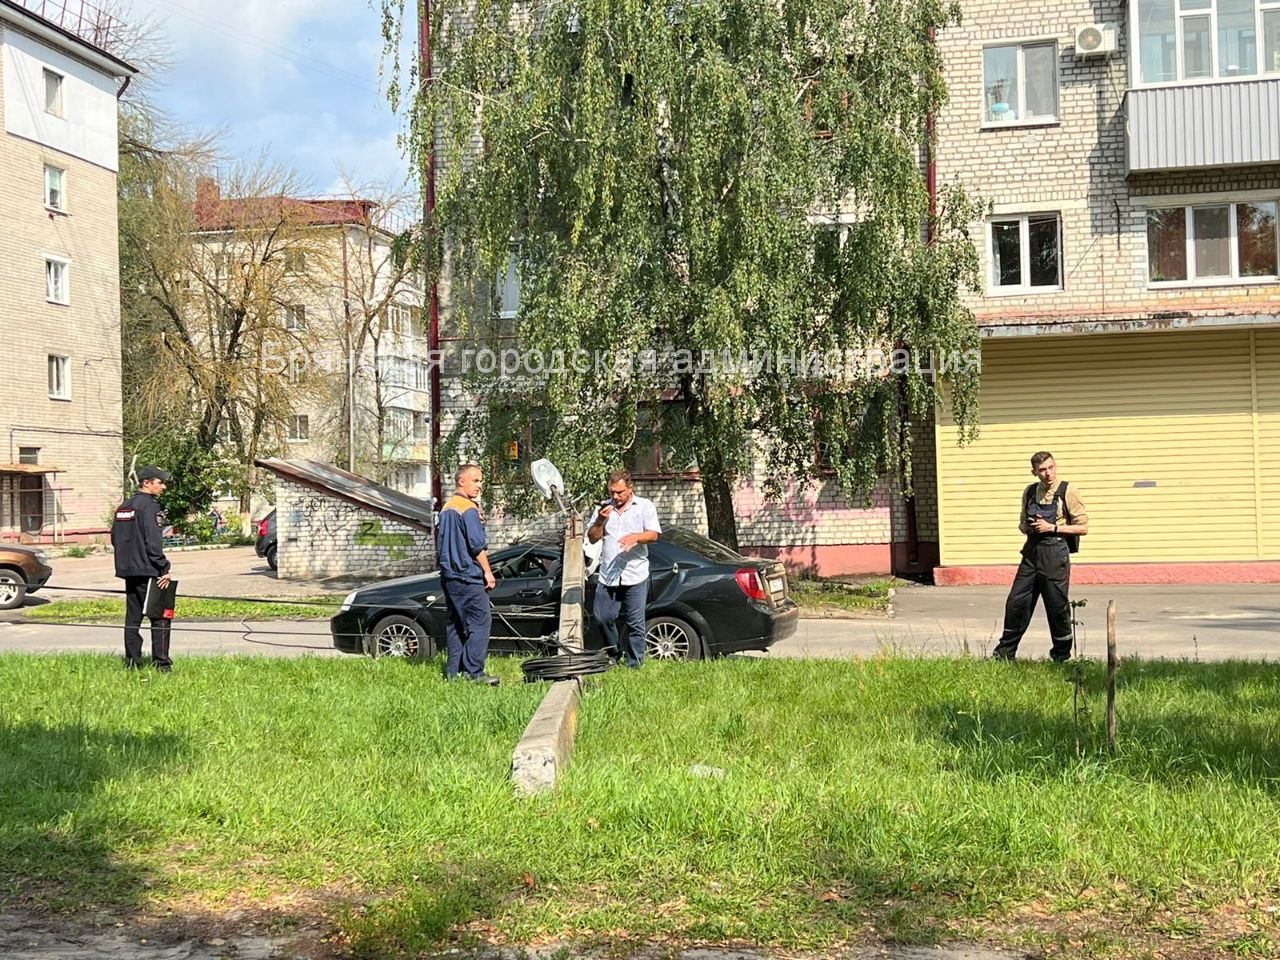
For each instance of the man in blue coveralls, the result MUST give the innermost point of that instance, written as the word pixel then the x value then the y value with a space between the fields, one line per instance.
pixel 466 578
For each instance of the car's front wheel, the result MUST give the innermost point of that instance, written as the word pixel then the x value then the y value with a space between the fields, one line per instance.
pixel 399 636
pixel 669 638
pixel 13 588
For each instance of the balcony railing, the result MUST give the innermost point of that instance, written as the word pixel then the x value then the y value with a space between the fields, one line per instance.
pixel 80 19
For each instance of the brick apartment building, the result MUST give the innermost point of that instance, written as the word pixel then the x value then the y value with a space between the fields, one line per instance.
pixel 1131 302
pixel 338 276
pixel 60 417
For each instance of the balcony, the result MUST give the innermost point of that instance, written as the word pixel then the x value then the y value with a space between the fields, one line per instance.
pixel 81 19
pixel 1194 125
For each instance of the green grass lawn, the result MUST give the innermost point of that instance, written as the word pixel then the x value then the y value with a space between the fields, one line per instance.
pixel 914 799
pixel 111 610
pixel 835 595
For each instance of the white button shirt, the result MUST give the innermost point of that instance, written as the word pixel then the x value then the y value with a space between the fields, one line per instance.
pixel 627 567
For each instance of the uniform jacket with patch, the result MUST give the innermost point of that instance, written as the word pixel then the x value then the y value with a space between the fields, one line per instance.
pixel 137 535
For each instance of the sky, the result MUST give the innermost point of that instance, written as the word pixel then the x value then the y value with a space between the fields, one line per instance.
pixel 298 79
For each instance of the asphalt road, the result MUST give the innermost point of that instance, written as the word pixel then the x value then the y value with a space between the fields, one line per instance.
pixel 1194 622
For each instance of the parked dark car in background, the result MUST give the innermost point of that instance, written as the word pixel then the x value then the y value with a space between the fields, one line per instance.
pixel 265 546
pixel 23 570
pixel 704 600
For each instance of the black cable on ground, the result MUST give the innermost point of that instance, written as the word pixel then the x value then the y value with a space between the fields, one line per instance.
pixel 566 666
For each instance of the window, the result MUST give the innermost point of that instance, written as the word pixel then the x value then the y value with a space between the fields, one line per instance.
pixel 55 196
pixel 1026 254
pixel 299 427
pixel 1271 41
pixel 648 455
pixel 1224 241
pixel 508 293
pixel 59 377
pixel 397 424
pixel 53 92
pixel 295 261
pixel 57 280
pixel 293 317
pixel 1207 39
pixel 422 426
pixel 1020 83
pixel 399 319
pixel 29 455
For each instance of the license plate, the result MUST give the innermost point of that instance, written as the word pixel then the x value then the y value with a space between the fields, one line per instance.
pixel 775 585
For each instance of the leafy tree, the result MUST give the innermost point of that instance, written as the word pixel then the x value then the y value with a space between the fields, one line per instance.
pixel 666 176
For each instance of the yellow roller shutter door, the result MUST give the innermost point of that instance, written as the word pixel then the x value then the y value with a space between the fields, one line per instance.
pixel 1172 438
pixel 1267 365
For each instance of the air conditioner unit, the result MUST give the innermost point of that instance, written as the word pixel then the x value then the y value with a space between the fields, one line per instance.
pixel 1096 40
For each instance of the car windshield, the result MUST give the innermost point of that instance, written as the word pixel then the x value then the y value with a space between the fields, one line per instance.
pixel 696 543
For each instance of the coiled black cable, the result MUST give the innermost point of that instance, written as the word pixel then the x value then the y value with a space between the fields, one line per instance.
pixel 566 666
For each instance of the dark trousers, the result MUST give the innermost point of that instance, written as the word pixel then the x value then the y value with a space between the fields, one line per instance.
pixel 468 629
pixel 1045 572
pixel 135 595
pixel 630 601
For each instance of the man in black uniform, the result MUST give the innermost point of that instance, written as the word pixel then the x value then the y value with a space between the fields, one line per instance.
pixel 1053 517
pixel 137 535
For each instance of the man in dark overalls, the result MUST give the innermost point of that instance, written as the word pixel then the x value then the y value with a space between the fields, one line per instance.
pixel 1053 517
pixel 137 539
pixel 466 578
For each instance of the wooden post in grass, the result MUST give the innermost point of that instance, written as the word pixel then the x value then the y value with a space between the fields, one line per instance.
pixel 1111 675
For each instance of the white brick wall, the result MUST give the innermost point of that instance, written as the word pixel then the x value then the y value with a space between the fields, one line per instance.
pixel 322 536
pixel 81 435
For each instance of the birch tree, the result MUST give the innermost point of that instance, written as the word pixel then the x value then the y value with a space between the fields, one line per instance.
pixel 699 178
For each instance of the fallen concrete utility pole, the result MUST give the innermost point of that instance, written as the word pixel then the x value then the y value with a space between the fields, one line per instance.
pixel 544 751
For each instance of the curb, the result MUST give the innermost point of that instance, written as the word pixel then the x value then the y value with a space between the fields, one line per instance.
pixel 544 750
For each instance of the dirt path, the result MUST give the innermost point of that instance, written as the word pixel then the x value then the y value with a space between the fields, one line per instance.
pixel 41 938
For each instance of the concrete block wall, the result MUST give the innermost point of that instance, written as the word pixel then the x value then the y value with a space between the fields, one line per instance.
pixel 323 536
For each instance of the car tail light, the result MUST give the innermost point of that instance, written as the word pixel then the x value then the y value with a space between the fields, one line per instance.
pixel 749 580
pixel 262 527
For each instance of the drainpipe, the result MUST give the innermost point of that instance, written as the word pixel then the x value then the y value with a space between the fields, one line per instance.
pixel 428 218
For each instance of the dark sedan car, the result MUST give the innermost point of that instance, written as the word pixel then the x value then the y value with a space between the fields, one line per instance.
pixel 265 545
pixel 704 600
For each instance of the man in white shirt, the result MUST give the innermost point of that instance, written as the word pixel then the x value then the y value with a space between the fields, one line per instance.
pixel 628 525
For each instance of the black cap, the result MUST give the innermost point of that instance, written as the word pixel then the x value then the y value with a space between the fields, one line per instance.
pixel 154 473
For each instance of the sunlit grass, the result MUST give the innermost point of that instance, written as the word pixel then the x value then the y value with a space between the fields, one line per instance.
pixel 785 802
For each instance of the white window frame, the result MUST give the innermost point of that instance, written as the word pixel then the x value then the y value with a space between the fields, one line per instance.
pixel 299 428
pixel 59 374
pixel 63 262
pixel 1020 43
pixel 60 106
pixel 60 207
pixel 1024 289
pixel 502 285
pixel 1260 8
pixel 1233 239
pixel 293 317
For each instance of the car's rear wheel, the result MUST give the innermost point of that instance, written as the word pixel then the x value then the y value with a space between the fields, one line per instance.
pixel 13 588
pixel 271 558
pixel 670 638
pixel 399 636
